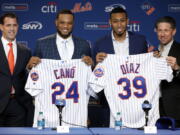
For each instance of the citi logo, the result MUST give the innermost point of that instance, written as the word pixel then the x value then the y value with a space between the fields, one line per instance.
pixel 51 7
pixel 33 25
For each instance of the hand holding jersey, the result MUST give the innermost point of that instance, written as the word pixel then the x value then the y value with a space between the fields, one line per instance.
pixel 64 78
pixel 128 81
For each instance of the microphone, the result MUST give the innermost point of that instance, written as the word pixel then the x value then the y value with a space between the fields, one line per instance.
pixel 60 103
pixel 146 106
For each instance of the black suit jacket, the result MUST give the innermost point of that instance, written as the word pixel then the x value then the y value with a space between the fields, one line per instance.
pixel 46 48
pixel 171 90
pixel 17 80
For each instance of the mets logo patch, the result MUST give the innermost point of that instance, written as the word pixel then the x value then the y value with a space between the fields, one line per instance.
pixel 99 72
pixel 34 76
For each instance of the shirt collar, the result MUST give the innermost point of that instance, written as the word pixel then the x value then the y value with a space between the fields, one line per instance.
pixel 59 38
pixel 5 41
pixel 113 38
pixel 167 45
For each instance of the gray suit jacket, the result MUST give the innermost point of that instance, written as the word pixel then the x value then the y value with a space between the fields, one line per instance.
pixel 46 48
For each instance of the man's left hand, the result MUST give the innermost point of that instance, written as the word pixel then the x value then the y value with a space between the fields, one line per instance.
pixel 173 63
pixel 88 60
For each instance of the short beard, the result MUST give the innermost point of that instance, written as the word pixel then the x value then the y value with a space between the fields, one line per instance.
pixel 64 36
pixel 119 34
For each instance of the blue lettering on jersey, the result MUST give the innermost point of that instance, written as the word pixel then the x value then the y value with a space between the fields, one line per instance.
pixel 130 68
pixel 64 73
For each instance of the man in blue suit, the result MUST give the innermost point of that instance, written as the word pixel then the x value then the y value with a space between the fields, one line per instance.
pixel 119 41
pixel 62 45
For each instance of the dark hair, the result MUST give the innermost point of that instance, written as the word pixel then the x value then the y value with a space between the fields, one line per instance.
pixel 166 19
pixel 11 15
pixel 118 10
pixel 64 11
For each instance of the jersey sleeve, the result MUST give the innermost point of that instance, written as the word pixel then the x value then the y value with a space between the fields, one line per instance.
pixel 97 81
pixel 34 85
pixel 163 70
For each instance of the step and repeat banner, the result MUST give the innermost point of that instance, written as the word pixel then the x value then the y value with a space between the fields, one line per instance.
pixel 37 17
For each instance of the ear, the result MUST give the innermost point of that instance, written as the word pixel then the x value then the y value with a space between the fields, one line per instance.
pixel 174 32
pixel 155 30
pixel 127 20
pixel 110 22
pixel 56 22
pixel 1 28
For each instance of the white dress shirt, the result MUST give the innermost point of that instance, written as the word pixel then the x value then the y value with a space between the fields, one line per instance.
pixel 121 48
pixel 165 49
pixel 65 47
pixel 6 48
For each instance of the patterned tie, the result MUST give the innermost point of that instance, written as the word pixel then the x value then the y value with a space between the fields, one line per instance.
pixel 11 58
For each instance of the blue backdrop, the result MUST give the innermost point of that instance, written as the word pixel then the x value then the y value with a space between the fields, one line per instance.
pixel 36 17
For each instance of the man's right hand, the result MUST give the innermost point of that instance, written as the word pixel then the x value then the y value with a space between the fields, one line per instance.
pixel 100 57
pixel 33 62
pixel 156 54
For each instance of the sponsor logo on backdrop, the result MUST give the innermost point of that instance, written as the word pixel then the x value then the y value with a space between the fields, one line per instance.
pixel 14 7
pixel 33 25
pixel 79 7
pixel 147 7
pixel 96 26
pixel 51 7
pixel 133 26
pixel 23 42
pixel 111 7
pixel 174 8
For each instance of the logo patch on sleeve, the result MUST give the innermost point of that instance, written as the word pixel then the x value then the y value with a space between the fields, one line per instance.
pixel 99 72
pixel 34 76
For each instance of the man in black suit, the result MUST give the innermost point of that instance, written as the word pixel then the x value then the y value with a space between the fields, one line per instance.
pixel 16 106
pixel 170 100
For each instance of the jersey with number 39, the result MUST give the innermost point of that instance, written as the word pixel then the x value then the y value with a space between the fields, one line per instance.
pixel 65 79
pixel 127 82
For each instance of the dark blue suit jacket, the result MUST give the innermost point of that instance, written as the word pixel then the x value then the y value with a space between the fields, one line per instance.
pixel 46 48
pixel 137 45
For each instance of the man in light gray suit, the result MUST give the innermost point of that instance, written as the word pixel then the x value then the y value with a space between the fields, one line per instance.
pixel 62 45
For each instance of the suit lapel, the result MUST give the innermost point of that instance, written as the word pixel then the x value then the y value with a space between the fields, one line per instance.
pixel 19 57
pixel 54 48
pixel 131 46
pixel 76 48
pixel 3 60
pixel 109 44
pixel 171 51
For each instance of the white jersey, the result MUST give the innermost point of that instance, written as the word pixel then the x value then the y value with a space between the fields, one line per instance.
pixel 127 82
pixel 67 79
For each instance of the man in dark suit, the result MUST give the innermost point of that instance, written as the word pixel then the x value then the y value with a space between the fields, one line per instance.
pixel 62 45
pixel 16 106
pixel 119 41
pixel 170 100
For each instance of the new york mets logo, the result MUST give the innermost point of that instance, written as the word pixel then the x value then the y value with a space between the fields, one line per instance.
pixel 34 76
pixel 99 72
